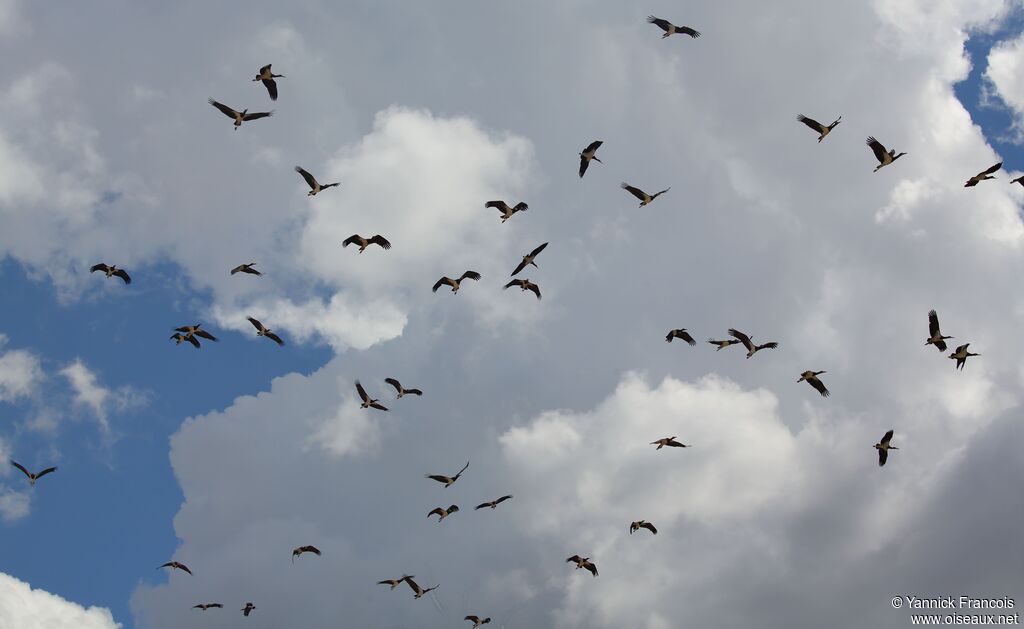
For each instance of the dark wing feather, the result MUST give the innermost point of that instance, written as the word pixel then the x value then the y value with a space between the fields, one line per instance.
pixel 271 86
pixel 256 324
pixel 686 337
pixel 121 273
pixel 887 437
pixel 636 192
pixel 354 239
pixel 206 335
pixel 438 477
pixel 310 179
pixel 883 455
pixel 441 282
pixel 482 505
pixel 503 499
pixel 499 205
pixel 21 467
pixel 540 248
pixel 686 30
pixel 227 111
pixel 311 549
pixel 382 241
pixel 933 323
pixel 413 392
pixel 378 406
pixel 533 287
pixel 649 527
pixel 877 148
pixel 940 345
pixel 818 385
pixel 513 283
pixel 991 169
pixel 463 468
pixel 98 267
pixel 275 338
pixel 192 339
pixel 592 567
pixel 811 122
pixel 362 392
pixel 593 146
pixel 394 383
pixel 520 207
pixel 519 267
pixel 257 115
pixel 574 559
pixel 660 23
pixel 742 338
pixel 584 163
pixel 473 275
pixel 265 69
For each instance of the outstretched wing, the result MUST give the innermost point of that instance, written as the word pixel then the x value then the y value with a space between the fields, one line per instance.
pixel 463 469
pixel 877 148
pixel 883 455
pixel 206 335
pixel 275 338
pixel 514 283
pixel 98 267
pixel 519 267
pixel 503 499
pixel 818 385
pixel 21 467
pixel 636 192
pixel 887 437
pixel 991 169
pixel 535 252
pixel 584 163
pixel 394 383
pixel 413 392
pixel 310 179
pixel 533 287
pixel 191 339
pixel 441 282
pixel 378 406
pixel 362 392
pixel 227 111
pixel 664 25
pixel 354 239
pixel 121 273
pixel 686 30
pixel 256 115
pixel 742 338
pixel 473 275
pixel 256 324
pixel 649 527
pixel 381 240
pixel 501 206
pixel 271 86
pixel 933 323
pixel 812 123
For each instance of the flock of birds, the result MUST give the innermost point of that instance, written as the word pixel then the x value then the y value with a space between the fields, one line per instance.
pixel 193 333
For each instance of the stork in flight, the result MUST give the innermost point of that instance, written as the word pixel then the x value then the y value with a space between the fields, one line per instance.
pixel 494 503
pixel 367 401
pixel 751 348
pixel 723 344
pixel 583 562
pixel 983 175
pixel 267 76
pixel 239 116
pixel 206 606
pixel 298 552
pixel 477 621
pixel 395 582
pixel 447 281
pixel 262 330
pixel 443 513
pixel 314 186
pixel 447 480
pixel 417 589
pixel 248 609
pixel 528 259
pixel 588 154
pixel 402 391
pixel 356 239
pixel 640 194
pixel 195 330
pixel 1019 180
pixel 811 377
pixel 817 126
pixel 681 333
pixel 961 355
pixel 525 285
pixel 246 268
pixel 670 28
pixel 111 271
pixel 883 448
pixel 669 442
pixel 178 338
pixel 934 334
pixel 506 211
pixel 176 565
pixel 884 157
pixel 642 524
pixel 32 477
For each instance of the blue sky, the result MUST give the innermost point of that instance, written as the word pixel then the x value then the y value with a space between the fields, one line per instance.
pixel 423 122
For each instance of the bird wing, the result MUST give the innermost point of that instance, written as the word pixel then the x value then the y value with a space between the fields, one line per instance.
pixel 686 337
pixel 310 179
pixel 520 207
pixel 413 392
pixel 121 273
pixel 503 499
pixel 362 392
pixel 275 338
pixel 660 23
pixel 514 283
pixel 540 248
pixel 589 565
pixel 381 240
pixel 227 111
pixel 191 339
pixel 206 335
pixel 961 348
pixel 636 192
pixel 453 508
pixel 473 275
pixel 311 549
pixel 237 269
pixel 394 383
pixel 991 169
pixel 256 324
pixel 257 115
pixel 481 505
pixel 742 338
pixel 265 69
pixel 584 163
pixel 818 385
pixel 438 477
pixel 519 267
pixel 940 345
pixel 812 123
pixel 574 559
pixel 933 323
pixel 887 437
pixel 686 30
pixel 354 239
pixel 649 527
pixel 593 146
pixel 472 618
pixel 657 194
pixel 501 206
pixel 271 86
pixel 771 345
pixel 876 146
pixel 463 469
pixel 415 586
pixel 883 455
pixel 378 406
pixel 21 467
pixel 533 287
pixel 98 267
pixel 441 282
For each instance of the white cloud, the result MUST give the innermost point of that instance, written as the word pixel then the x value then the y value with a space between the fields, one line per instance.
pixel 1005 72
pixel 20 374
pixel 23 607
pixel 100 400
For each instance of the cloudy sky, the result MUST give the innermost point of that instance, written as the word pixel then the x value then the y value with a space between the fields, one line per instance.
pixel 228 457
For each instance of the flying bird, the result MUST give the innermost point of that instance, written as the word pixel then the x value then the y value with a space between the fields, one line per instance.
pixel 961 354
pixel 640 194
pixel 111 271
pixel 248 609
pixel 314 186
pixel 883 448
pixel 812 379
pixel 681 333
pixel 642 524
pixel 1019 180
pixel 196 330
pixel 176 565
pixel 356 239
pixel 493 504
pixel 239 116
pixel 817 126
pixel 589 153
pixel 723 344
pixel 670 28
pixel 884 157
pixel 298 552
pixel 443 513
pixel 395 582
pixel 246 268
pixel 261 330
pixel 417 589
pixel 268 77
pixel 32 478
pixel 206 606
pixel 368 402
pixel 525 285
pixel 751 348
pixel 983 175
pixel 529 259
pixel 506 211
pixel 448 480
pixel 935 336
pixel 583 562
pixel 473 275
pixel 477 621
pixel 668 441
pixel 178 338
pixel 400 389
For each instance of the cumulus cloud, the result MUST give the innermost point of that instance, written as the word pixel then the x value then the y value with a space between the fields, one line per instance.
pixel 1005 72
pixel 100 400
pixel 20 373
pixel 27 608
